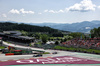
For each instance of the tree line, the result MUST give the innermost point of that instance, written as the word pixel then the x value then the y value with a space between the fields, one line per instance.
pixel 6 26
pixel 29 30
pixel 95 32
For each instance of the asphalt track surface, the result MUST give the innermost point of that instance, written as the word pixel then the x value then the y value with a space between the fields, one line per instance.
pixel 66 59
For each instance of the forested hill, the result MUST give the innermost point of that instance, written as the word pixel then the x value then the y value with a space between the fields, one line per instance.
pixel 6 26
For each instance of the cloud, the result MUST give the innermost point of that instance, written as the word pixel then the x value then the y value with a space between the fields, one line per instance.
pixel 15 11
pixel 45 10
pixel 52 11
pixel 62 11
pixel 4 15
pixel 83 6
pixel 40 13
pixel 26 12
pixel 87 28
pixel 99 7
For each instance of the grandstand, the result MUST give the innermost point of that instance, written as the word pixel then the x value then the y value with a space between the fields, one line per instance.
pixel 16 37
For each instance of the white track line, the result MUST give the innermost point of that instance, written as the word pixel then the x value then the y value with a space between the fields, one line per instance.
pixel 4 60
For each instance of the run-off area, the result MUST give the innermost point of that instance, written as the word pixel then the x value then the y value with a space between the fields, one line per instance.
pixel 52 60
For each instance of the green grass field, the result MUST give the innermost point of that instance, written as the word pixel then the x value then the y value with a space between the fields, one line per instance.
pixel 77 49
pixel 2 47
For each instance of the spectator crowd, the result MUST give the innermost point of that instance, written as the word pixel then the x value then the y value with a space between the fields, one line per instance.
pixel 92 43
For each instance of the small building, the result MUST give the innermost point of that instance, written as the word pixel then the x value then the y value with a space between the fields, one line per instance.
pixel 16 37
pixel 22 39
pixel 50 42
pixel 15 33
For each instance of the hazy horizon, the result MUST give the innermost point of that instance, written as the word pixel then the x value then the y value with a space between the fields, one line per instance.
pixel 45 22
pixel 49 11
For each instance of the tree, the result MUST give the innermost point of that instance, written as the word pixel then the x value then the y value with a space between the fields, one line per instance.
pixel 57 34
pixel 62 40
pixel 37 35
pixel 44 38
pixel 95 32
pixel 56 43
pixel 24 33
pixel 75 35
pixel 67 38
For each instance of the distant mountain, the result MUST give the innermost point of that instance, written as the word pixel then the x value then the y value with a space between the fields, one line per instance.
pixel 96 21
pixel 84 26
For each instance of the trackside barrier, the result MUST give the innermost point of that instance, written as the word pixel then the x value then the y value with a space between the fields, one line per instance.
pixel 9 54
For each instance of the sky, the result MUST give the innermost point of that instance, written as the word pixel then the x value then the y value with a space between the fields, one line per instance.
pixel 49 11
